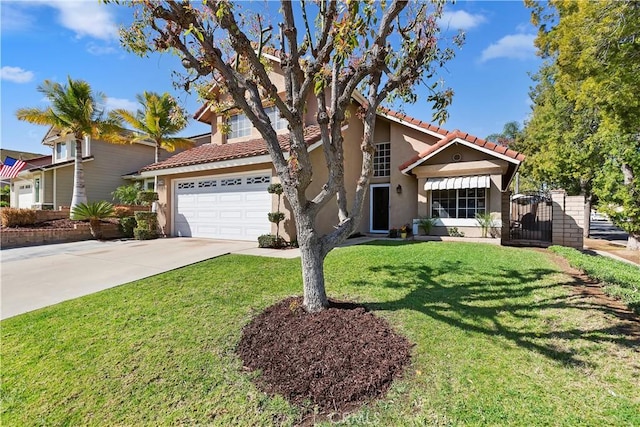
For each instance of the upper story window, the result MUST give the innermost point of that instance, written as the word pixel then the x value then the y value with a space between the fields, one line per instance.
pixel 66 150
pixel 276 121
pixel 240 125
pixel 382 160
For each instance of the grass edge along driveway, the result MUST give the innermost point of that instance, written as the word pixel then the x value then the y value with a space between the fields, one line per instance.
pixel 501 338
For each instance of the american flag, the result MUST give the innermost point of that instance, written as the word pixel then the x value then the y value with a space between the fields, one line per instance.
pixel 11 167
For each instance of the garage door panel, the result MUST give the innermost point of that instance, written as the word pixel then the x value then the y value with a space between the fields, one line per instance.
pixel 207 214
pixel 230 215
pixel 256 216
pixel 254 197
pixel 231 198
pixel 236 210
pixel 207 198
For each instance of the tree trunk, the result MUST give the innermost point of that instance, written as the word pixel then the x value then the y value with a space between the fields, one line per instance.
pixel 312 260
pixel 95 226
pixel 633 243
pixel 154 204
pixel 79 195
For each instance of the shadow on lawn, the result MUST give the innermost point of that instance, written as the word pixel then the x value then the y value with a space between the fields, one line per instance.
pixel 478 305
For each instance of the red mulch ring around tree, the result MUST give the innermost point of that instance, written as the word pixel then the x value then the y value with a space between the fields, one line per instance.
pixel 334 360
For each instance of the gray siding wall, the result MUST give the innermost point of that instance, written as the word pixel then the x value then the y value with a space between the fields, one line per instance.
pixel 48 187
pixel 110 162
pixel 103 174
pixel 64 185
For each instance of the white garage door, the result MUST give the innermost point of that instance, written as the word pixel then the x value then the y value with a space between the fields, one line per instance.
pixel 223 207
pixel 25 195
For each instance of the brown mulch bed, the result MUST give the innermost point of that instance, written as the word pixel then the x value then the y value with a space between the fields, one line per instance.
pixel 329 362
pixel 57 223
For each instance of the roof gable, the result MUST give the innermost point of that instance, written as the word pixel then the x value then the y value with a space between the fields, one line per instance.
pixel 458 137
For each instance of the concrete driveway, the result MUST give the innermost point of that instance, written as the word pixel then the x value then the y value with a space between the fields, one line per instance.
pixel 40 276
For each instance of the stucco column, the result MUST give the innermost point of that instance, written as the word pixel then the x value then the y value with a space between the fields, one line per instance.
pixel 505 212
pixel 423 201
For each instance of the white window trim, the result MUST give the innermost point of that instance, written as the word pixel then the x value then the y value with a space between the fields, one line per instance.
pixel 462 222
pixel 458 222
pixel 371 187
pixel 231 135
pixel 277 122
pixel 70 142
pixel 374 160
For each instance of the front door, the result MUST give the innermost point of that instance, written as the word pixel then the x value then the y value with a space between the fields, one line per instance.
pixel 379 208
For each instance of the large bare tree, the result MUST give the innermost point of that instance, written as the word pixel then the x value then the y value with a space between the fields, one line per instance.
pixel 327 50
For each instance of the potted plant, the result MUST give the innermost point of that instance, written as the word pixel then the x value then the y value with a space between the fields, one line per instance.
pixel 393 232
pixel 405 230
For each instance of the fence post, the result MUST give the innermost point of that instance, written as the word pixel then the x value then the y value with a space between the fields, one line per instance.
pixel 568 219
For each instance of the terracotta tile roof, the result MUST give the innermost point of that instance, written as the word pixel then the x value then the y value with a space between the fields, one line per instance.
pixel 456 134
pixel 411 120
pixel 209 153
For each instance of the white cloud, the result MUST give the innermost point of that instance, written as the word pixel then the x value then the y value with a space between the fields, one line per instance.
pixel 87 19
pixel 15 74
pixel 513 46
pixel 84 18
pixel 14 19
pixel 98 50
pixel 117 103
pixel 460 20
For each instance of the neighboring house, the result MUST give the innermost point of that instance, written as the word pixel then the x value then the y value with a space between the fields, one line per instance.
pixel 20 155
pixel 47 182
pixel 219 190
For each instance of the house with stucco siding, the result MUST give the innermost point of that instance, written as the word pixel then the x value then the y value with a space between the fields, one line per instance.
pixel 219 189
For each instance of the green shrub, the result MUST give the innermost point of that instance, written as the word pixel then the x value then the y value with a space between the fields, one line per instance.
pixel 621 280
pixel 127 224
pixel 147 225
pixel 12 217
pixel 142 234
pixel 275 217
pixel 127 194
pixel 271 241
pixel 4 204
pixel 147 197
pixel 426 224
pixel 485 220
pixel 454 232
pixel 94 212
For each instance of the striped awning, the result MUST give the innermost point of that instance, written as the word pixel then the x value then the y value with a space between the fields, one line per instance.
pixel 458 182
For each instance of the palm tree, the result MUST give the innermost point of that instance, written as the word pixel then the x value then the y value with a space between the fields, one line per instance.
pixel 157 120
pixel 74 110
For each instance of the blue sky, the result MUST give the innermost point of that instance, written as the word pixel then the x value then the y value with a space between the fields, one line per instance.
pixel 53 39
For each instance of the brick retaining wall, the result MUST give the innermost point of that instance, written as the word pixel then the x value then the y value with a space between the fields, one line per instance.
pixel 44 236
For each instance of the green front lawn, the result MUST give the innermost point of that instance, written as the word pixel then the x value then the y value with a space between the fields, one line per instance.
pixel 500 339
